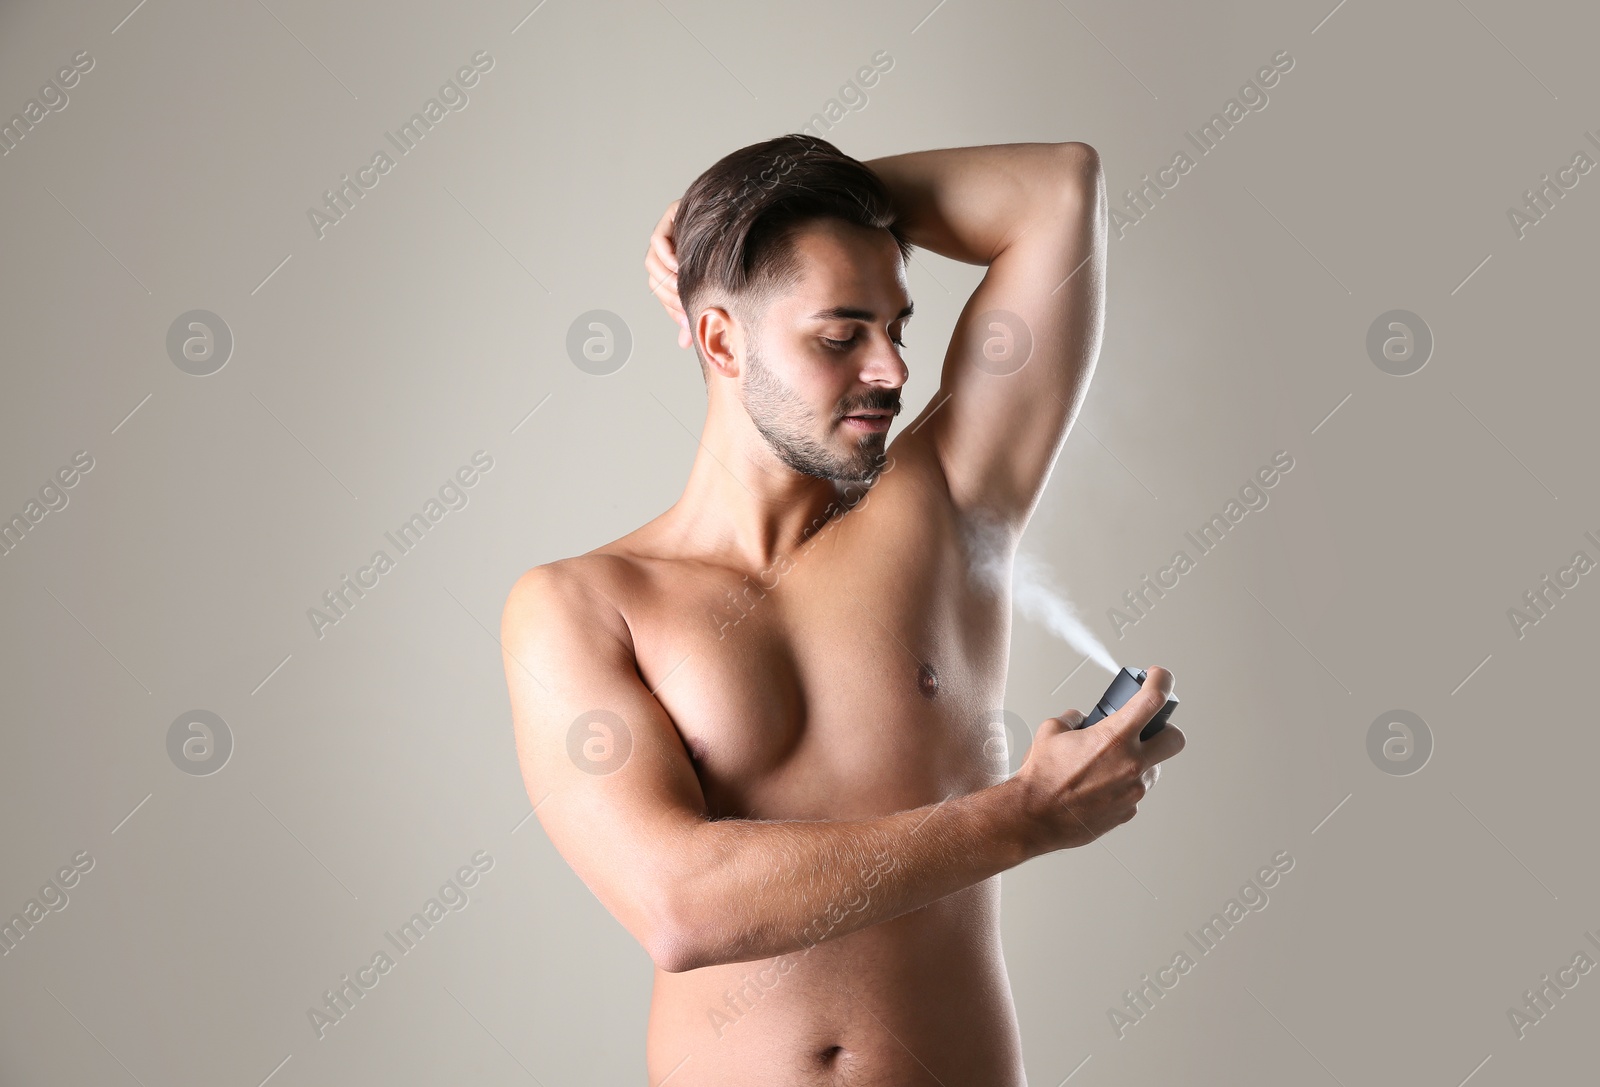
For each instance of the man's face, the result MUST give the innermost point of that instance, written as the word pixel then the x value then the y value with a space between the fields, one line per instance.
pixel 828 351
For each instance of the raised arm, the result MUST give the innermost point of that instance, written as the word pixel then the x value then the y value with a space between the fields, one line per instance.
pixel 1026 342
pixel 697 892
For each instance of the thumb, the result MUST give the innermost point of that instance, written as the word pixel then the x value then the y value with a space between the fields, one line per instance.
pixel 1146 702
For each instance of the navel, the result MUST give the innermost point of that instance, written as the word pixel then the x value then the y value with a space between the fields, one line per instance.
pixel 927 681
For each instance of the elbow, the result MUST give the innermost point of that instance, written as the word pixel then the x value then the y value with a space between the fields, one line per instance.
pixel 673 937
pixel 667 938
pixel 1080 172
pixel 672 954
pixel 1081 157
pixel 677 949
pixel 686 920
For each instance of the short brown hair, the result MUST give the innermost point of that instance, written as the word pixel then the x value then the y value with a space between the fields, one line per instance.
pixel 734 229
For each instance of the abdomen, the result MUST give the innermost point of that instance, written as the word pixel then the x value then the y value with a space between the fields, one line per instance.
pixel 921 998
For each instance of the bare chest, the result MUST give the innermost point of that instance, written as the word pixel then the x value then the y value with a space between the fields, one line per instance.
pixel 860 674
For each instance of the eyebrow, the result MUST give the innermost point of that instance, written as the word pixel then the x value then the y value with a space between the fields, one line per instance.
pixel 851 313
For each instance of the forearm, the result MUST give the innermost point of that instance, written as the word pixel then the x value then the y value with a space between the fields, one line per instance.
pixel 968 203
pixel 752 890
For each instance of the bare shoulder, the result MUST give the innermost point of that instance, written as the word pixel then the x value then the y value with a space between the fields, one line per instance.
pixel 569 598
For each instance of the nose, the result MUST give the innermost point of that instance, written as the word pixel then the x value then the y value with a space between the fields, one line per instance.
pixel 882 365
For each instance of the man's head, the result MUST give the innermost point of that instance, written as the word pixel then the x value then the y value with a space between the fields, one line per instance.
pixel 791 271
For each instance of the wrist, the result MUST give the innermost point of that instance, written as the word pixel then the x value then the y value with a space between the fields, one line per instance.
pixel 1015 825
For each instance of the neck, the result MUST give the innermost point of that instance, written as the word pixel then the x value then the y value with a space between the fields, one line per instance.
pixel 741 503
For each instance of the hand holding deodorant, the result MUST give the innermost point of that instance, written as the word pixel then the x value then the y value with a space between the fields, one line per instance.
pixel 1123 687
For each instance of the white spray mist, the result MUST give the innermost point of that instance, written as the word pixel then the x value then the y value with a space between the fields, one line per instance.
pixel 1039 601
pixel 1032 590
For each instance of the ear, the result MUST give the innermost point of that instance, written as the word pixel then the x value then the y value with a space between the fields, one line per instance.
pixel 719 339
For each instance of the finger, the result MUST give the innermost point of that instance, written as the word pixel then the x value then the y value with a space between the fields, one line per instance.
pixel 669 238
pixel 664 285
pixel 1067 721
pixel 665 222
pixel 667 253
pixel 659 269
pixel 1150 776
pixel 1163 745
pixel 1138 710
pixel 663 236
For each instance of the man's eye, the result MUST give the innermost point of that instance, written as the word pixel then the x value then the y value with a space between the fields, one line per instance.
pixel 840 345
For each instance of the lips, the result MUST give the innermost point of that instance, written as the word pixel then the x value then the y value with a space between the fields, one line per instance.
pixel 869 421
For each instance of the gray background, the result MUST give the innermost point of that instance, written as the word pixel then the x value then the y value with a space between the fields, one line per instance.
pixel 370 763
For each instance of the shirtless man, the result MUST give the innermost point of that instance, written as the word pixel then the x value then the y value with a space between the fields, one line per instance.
pixel 763 727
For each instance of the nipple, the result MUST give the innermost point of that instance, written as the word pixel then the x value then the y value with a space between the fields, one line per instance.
pixel 927 682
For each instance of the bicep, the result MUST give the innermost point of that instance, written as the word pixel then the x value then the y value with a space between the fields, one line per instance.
pixel 603 765
pixel 1022 352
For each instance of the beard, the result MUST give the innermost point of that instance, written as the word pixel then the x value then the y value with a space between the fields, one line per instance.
pixel 787 424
